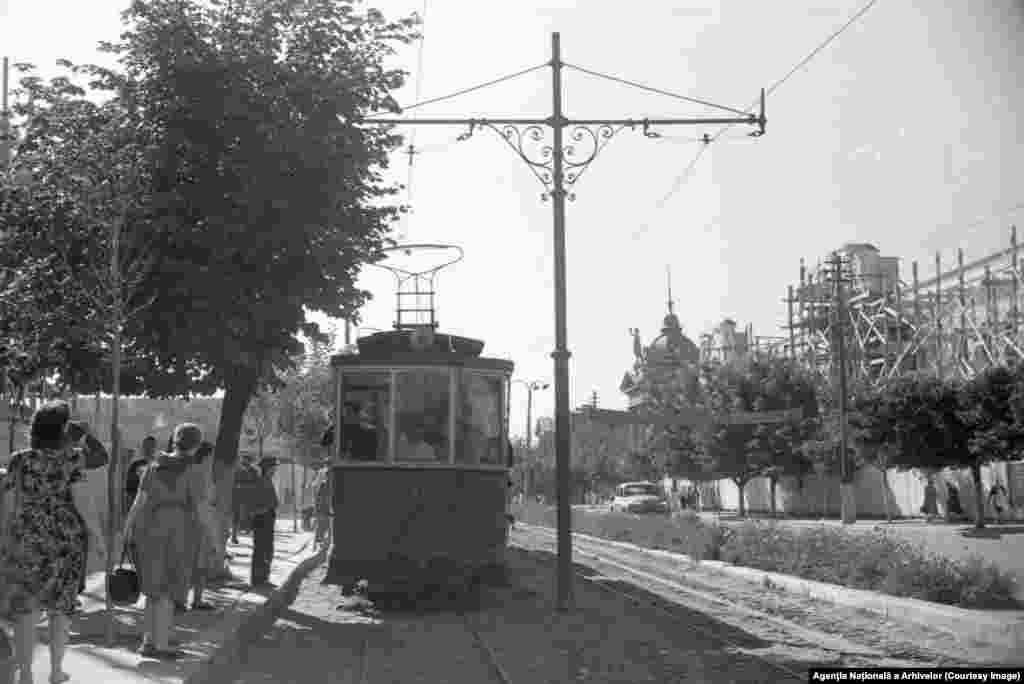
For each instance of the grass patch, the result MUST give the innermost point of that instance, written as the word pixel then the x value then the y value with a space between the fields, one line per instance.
pixel 873 562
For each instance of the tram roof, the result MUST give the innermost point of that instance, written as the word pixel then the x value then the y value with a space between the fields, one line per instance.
pixel 403 348
pixel 407 359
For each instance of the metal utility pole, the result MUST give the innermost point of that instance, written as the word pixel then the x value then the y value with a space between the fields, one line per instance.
pixel 530 388
pixel 558 166
pixel 848 503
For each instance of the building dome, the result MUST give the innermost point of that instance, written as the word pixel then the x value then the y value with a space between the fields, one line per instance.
pixel 672 347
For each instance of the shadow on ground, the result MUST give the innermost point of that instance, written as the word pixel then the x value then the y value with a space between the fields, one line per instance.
pixel 991 532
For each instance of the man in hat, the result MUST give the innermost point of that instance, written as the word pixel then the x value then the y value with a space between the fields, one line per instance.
pixel 264 516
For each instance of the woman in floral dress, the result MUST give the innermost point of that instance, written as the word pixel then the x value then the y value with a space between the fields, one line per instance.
pixel 43 559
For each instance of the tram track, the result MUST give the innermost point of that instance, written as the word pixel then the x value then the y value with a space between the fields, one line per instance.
pixel 681 597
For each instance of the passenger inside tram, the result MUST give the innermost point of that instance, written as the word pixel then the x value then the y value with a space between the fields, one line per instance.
pixel 360 435
pixel 413 446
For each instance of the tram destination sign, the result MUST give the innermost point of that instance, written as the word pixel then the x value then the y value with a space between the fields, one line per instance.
pixel 691 417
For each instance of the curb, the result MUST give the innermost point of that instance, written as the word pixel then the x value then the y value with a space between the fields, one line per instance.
pixel 240 629
pixel 1003 629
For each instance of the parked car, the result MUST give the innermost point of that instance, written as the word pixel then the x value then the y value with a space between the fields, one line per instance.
pixel 639 497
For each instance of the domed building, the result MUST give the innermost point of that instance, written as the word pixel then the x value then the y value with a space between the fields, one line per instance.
pixel 670 353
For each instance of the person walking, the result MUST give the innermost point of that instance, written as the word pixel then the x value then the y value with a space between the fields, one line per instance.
pixel 264 517
pixel 246 479
pixel 930 506
pixel 997 499
pixel 322 506
pixel 204 553
pixel 44 549
pixel 162 524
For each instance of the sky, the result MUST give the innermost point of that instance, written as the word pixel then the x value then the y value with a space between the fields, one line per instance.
pixel 904 132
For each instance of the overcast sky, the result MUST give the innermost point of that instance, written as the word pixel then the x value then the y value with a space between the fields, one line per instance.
pixel 905 132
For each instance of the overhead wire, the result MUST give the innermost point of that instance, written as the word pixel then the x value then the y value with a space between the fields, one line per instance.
pixel 412 138
pixel 464 91
pixel 678 183
pixel 641 86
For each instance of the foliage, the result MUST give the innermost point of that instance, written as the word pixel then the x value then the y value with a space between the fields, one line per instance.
pixel 80 187
pixel 990 408
pixel 745 451
pixel 671 450
pixel 870 561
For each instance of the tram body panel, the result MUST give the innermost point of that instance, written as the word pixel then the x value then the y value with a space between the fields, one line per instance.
pixel 417 514
pixel 421 461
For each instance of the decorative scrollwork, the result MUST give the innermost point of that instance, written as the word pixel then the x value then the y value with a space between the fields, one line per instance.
pixel 532 144
pixel 586 143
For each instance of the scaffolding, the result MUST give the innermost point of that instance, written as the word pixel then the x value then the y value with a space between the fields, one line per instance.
pixel 954 324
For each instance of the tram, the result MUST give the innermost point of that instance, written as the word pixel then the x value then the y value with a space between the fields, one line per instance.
pixel 420 453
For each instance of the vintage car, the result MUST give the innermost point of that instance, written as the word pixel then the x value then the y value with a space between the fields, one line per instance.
pixel 639 497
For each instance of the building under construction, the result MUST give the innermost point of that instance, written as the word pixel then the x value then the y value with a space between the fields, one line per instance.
pixel 961 320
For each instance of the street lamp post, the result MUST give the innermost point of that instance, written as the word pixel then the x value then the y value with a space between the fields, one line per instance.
pixel 530 388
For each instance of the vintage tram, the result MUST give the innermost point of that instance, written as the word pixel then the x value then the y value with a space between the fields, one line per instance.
pixel 420 461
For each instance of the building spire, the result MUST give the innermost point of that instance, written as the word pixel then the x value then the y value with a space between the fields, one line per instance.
pixel 668 270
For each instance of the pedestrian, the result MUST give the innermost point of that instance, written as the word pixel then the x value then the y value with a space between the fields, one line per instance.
pixel 246 479
pixel 930 507
pixel 954 511
pixel 264 517
pixel 997 499
pixel 94 456
pixel 322 506
pixel 45 539
pixel 162 523
pixel 204 552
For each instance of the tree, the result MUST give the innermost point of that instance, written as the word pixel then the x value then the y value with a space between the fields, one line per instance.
pixel 990 411
pixel 260 421
pixel 671 450
pixel 84 203
pixel 268 186
pixel 782 384
pixel 745 451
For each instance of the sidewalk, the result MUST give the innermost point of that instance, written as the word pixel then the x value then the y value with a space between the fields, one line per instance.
pixel 200 635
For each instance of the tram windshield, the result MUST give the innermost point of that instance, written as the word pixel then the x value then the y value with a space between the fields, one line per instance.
pixel 422 415
pixel 480 420
pixel 365 416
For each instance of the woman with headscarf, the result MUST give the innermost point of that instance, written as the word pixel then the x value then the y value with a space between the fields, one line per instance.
pixel 44 553
pixel 170 510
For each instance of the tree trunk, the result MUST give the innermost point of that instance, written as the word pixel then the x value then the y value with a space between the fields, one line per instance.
pixel 239 388
pixel 979 496
pixel 741 486
pixel 772 484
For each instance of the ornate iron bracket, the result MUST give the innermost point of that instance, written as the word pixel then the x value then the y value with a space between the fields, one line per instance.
pixel 532 143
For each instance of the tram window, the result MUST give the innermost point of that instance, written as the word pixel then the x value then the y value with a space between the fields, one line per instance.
pixel 365 402
pixel 421 418
pixel 480 419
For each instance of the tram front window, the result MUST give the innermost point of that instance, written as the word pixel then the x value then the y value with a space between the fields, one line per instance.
pixel 365 416
pixel 479 430
pixel 421 418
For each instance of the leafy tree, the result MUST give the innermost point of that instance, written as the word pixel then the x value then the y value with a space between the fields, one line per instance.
pixel 266 186
pixel 990 410
pixel 671 450
pixel 746 451
pixel 781 385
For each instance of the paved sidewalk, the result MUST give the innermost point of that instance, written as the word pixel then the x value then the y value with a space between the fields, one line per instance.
pixel 199 634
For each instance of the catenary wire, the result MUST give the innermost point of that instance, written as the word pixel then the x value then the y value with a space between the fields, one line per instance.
pixel 641 86
pixel 465 90
pixel 679 181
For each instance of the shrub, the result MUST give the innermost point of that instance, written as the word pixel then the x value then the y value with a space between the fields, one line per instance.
pixel 874 562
